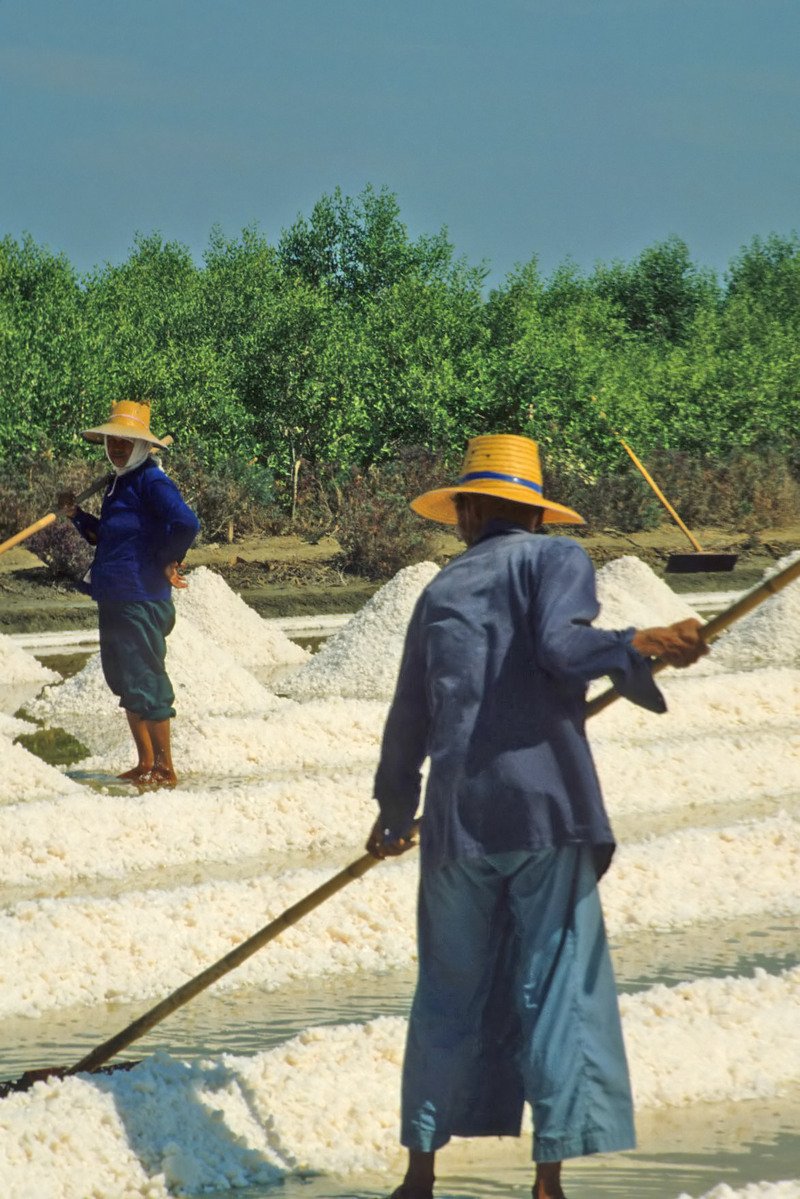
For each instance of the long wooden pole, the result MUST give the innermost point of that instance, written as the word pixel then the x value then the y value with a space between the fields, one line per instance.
pixel 224 965
pixel 358 868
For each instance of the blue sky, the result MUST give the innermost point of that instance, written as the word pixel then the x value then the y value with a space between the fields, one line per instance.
pixel 582 129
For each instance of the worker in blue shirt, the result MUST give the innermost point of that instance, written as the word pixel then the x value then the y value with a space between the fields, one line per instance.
pixel 515 998
pixel 143 531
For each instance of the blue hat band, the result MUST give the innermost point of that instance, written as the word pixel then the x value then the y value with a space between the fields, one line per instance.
pixel 495 474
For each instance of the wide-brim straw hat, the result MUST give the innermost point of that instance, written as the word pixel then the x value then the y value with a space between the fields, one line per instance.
pixel 499 464
pixel 128 419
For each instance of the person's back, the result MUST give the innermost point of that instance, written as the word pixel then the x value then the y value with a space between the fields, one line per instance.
pixel 509 764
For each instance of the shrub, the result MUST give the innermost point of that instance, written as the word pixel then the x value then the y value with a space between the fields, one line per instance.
pixel 623 502
pixel 232 498
pixel 63 551
pixel 28 487
pixel 376 529
pixel 748 490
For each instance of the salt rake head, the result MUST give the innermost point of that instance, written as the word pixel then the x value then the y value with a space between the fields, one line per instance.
pixel 698 563
pixel 15 1086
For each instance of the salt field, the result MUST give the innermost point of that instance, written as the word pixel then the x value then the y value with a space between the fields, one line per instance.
pixel 287 1070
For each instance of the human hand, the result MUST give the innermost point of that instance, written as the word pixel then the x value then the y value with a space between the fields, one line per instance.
pixel 67 503
pixel 380 847
pixel 679 644
pixel 173 572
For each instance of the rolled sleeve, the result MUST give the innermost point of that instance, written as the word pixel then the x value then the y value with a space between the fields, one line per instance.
pixel 87 525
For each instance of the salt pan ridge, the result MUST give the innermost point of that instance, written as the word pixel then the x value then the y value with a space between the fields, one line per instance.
pixel 57 952
pixel 234 1121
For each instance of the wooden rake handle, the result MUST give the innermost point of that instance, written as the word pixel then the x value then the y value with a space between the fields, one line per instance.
pixel 224 965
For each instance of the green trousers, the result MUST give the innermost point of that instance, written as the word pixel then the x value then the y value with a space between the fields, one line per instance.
pixel 133 651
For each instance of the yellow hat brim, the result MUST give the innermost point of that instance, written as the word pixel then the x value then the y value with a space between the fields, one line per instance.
pixel 438 505
pixel 121 428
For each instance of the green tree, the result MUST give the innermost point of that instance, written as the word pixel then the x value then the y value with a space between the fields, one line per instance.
pixel 42 360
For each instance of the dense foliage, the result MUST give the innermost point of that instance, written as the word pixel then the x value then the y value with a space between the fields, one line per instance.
pixel 348 339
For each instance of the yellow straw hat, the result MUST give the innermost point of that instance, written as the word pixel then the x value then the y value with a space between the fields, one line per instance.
pixel 128 419
pixel 499 464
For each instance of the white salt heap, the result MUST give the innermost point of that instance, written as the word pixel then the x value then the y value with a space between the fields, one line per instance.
pixel 326 734
pixel 12 726
pixel 73 837
pixel 362 659
pixel 26 777
pixel 18 666
pixel 767 636
pixel 232 625
pixel 206 681
pixel 788 1189
pixel 631 594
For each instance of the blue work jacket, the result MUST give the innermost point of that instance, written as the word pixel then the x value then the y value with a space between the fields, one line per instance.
pixel 144 524
pixel 492 688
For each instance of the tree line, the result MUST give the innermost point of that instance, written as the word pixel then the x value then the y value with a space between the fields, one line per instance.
pixel 348 340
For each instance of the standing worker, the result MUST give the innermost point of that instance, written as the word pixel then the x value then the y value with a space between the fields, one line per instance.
pixel 142 534
pixel 515 996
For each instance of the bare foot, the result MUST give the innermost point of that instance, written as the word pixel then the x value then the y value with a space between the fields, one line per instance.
pixel 135 775
pixel 158 776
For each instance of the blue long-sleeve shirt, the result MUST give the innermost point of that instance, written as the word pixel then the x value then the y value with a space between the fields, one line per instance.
pixel 492 688
pixel 144 524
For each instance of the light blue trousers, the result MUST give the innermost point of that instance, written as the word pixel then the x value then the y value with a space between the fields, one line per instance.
pixel 516 1001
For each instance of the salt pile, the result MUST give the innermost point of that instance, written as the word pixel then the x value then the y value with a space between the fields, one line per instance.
pixel 27 778
pixel 701 874
pixel 767 636
pixel 234 1121
pixel 232 625
pixel 17 666
pixel 323 735
pixel 73 838
pixel 362 659
pixel 12 726
pixel 712 1039
pixel 700 704
pixel 704 770
pixel 631 594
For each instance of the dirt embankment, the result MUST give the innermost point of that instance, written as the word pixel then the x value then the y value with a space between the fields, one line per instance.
pixel 286 576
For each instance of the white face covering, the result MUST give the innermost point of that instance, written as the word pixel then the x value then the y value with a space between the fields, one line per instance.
pixel 138 454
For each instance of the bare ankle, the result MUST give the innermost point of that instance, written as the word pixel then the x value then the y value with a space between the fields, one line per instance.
pixel 547 1183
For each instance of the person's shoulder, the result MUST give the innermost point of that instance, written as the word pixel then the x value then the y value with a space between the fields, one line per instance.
pixel 152 474
pixel 549 548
